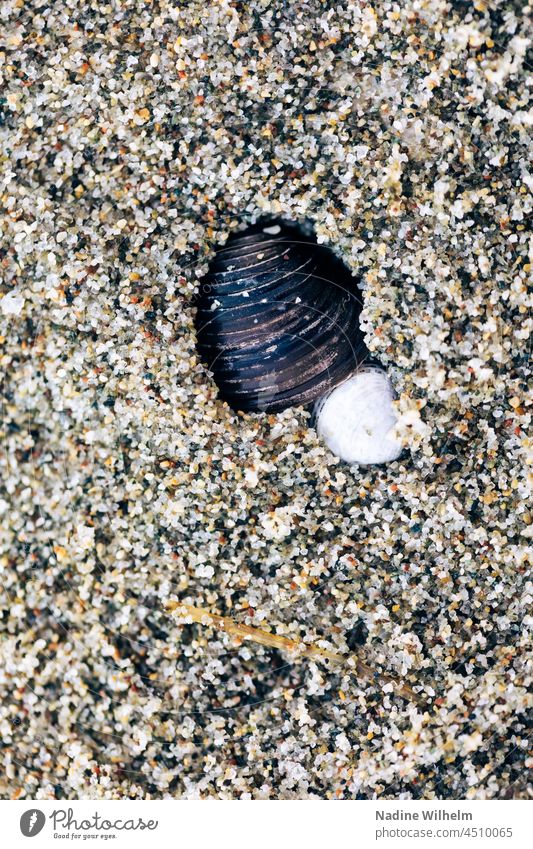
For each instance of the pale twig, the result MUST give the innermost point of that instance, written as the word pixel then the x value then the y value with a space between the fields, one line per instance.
pixel 294 647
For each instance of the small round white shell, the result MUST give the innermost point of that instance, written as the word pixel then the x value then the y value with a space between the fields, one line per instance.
pixel 357 418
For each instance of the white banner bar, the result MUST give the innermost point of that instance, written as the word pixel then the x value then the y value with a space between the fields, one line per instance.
pixel 292 825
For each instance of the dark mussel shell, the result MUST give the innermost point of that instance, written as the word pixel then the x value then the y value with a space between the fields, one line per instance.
pixel 278 319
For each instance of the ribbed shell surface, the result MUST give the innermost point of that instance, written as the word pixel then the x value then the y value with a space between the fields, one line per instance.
pixel 277 319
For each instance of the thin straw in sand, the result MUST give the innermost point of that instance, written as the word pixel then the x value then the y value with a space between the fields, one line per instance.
pixel 293 647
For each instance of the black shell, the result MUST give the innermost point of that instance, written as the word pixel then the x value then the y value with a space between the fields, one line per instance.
pixel 277 319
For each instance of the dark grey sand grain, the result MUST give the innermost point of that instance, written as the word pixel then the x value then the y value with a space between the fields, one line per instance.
pixel 134 137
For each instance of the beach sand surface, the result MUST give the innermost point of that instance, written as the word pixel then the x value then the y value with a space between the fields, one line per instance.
pixel 135 137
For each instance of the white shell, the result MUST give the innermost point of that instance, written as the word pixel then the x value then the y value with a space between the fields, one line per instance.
pixel 357 418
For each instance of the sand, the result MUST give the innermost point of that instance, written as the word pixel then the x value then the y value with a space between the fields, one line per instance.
pixel 134 138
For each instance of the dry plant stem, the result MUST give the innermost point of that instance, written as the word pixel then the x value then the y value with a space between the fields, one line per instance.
pixel 265 638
